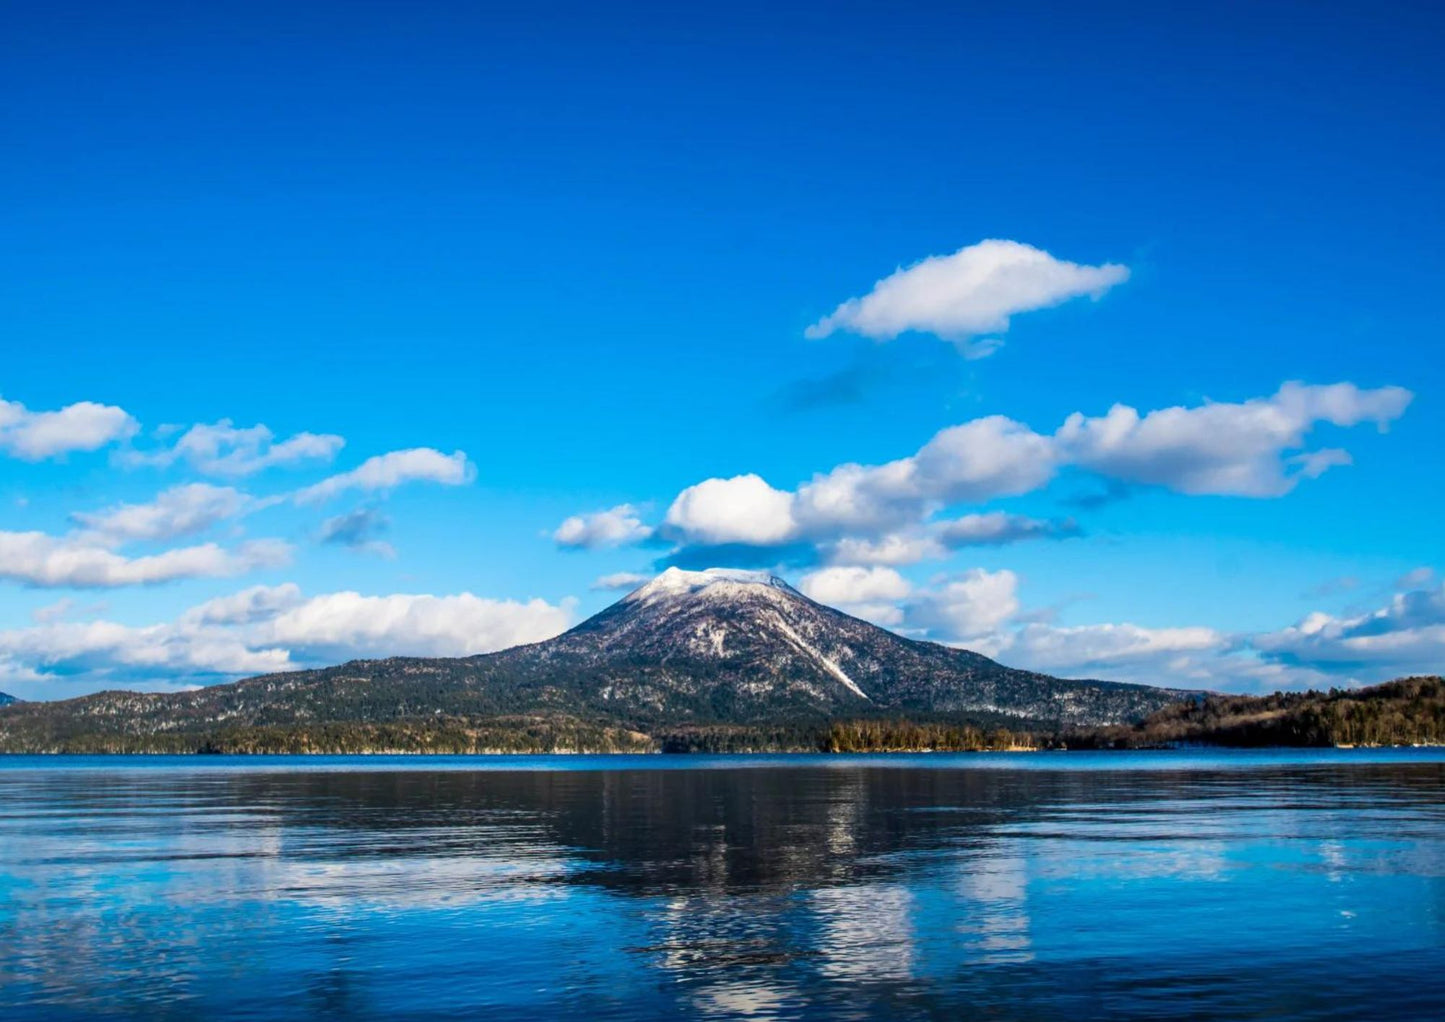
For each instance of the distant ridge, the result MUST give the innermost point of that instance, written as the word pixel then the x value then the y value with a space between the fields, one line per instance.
pixel 690 649
pixel 6 700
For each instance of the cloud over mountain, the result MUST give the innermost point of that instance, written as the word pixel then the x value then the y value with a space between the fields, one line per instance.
pixel 1253 448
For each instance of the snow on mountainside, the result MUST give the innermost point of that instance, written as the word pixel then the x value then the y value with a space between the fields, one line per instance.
pixel 689 647
pixel 750 644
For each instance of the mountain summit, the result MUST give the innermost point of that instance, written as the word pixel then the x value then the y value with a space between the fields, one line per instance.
pixel 689 648
pixel 735 645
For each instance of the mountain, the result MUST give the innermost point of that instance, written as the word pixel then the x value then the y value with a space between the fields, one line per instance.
pixel 706 649
pixel 6 700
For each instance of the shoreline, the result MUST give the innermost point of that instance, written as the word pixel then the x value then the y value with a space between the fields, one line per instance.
pixel 1183 749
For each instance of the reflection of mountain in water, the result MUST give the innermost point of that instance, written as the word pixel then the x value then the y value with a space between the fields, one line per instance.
pixel 728 892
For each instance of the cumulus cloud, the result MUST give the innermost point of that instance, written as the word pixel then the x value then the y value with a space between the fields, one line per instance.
pixel 339 625
pixel 894 548
pixel 965 606
pixel 179 511
pixel 225 449
pixel 1222 448
pixel 41 560
pixel 974 291
pixel 743 509
pixel 617 526
pixel 264 629
pixel 390 470
pixel 1085 647
pixel 851 585
pixel 883 514
pixel 83 426
pixel 1405 635
pixel 981 610
pixel 92 654
pixel 360 530
pixel 979 460
pixel 621 581
pixel 872 593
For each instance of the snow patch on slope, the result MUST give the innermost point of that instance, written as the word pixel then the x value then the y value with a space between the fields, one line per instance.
pixel 828 665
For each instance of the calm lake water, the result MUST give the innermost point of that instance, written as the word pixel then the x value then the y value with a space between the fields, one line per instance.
pixel 1024 886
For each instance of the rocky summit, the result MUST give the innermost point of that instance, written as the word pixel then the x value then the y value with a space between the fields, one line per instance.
pixel 689 648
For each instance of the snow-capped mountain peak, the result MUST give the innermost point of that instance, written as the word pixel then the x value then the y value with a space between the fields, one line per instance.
pixel 713 582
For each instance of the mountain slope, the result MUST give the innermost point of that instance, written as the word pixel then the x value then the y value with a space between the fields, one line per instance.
pixel 6 700
pixel 688 648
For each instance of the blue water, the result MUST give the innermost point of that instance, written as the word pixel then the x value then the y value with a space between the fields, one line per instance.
pixel 1299 885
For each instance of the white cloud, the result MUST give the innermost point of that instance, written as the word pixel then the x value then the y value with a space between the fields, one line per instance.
pixel 92 653
pixel 179 511
pixel 264 629
pixel 743 509
pixel 83 426
pixel 224 449
pixel 894 548
pixel 41 560
pixel 386 471
pixel 966 606
pixel 340 625
pixel 617 526
pixel 1220 448
pixel 1049 647
pixel 846 586
pixel 1406 635
pixel 972 292
pixel 883 514
pixel 979 460
pixel 624 581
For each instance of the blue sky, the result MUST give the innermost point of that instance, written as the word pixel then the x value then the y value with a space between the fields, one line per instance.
pixel 584 247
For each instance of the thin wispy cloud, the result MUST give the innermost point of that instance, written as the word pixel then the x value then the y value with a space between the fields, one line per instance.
pixel 388 471
pixel 225 449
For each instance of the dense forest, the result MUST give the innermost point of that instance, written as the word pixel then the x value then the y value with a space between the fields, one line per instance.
pixel 1410 711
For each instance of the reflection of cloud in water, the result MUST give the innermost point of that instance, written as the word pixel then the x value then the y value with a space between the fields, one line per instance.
pixel 362 885
pixel 865 932
pixel 846 805
pixel 742 999
pixel 729 953
pixel 995 925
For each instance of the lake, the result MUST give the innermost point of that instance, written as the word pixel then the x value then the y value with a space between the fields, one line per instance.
pixel 1298 885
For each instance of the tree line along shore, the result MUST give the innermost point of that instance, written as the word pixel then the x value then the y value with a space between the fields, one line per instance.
pixel 1409 711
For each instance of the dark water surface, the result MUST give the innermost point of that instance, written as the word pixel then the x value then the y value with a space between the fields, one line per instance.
pixel 1120 885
